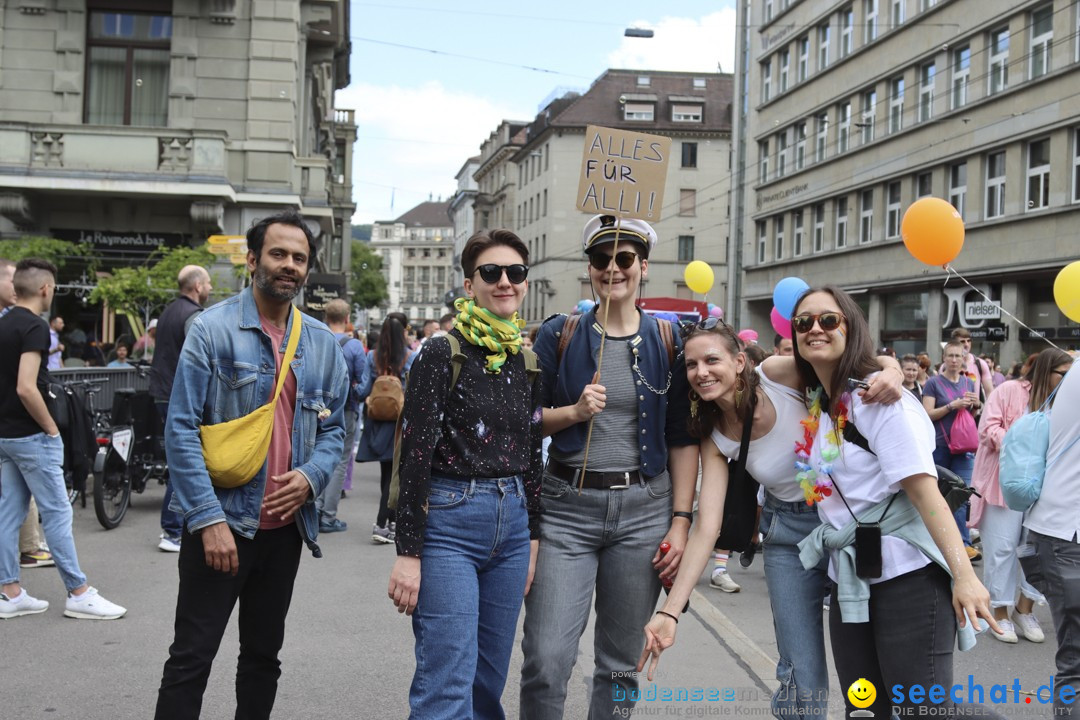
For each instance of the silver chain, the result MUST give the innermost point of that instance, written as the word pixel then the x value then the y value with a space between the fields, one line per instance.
pixel 645 380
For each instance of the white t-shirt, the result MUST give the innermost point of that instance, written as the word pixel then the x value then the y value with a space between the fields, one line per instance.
pixel 902 436
pixel 1055 512
pixel 772 456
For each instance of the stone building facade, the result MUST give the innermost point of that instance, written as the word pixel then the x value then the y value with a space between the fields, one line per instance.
pixel 417 251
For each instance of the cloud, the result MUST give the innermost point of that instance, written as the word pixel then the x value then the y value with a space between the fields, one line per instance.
pixel 411 141
pixel 681 44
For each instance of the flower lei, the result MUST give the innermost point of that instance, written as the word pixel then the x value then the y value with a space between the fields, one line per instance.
pixel 817 487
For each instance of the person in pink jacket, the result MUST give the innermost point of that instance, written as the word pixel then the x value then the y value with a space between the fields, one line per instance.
pixel 1000 527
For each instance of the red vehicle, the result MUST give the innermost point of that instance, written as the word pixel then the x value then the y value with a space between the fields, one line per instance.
pixel 686 310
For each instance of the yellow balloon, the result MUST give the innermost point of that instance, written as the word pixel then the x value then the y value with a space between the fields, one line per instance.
pixel 699 276
pixel 1067 291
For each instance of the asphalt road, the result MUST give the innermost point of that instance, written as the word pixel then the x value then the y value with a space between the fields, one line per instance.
pixel 348 654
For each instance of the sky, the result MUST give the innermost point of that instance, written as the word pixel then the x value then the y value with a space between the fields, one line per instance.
pixel 420 114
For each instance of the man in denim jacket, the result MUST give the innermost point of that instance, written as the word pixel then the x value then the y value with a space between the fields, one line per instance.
pixel 245 543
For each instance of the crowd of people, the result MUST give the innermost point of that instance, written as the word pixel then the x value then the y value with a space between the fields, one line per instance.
pixel 578 467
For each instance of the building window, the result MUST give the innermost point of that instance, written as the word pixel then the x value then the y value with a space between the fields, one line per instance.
pixel 768 10
pixel 800 145
pixel 545 203
pixel 843 129
pixel 897 14
pixel 1076 165
pixel 779 249
pixel 1042 35
pixel 892 210
pixel 925 5
pixel 689 154
pixel 766 81
pixel 797 233
pixel 869 112
pixel 958 187
pixel 866 216
pixel 803 69
pixel 870 28
pixel 687 201
pixel 841 222
pixel 785 67
pixel 995 184
pixel 638 111
pixel 924 185
pixel 686 113
pixel 699 83
pixel 822 137
pixel 896 105
pixel 847 24
pixel 763 168
pixel 781 154
pixel 961 64
pixel 127 75
pixel 1076 32
pixel 819 227
pixel 686 248
pixel 1038 174
pixel 762 235
pixel 643 80
pixel 824 34
pixel 927 76
pixel 999 60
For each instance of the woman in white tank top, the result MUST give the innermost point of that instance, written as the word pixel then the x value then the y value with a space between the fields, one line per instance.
pixel 723 384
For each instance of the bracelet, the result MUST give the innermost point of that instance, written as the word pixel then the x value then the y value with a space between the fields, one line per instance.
pixel 683 514
pixel 661 612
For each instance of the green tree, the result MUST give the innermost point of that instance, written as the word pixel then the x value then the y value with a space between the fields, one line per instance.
pixel 58 252
pixel 139 291
pixel 366 282
pixel 361 232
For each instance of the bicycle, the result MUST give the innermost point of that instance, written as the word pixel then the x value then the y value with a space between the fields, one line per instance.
pixel 130 455
pixel 81 425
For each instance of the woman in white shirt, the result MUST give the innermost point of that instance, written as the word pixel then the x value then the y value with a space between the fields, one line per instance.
pixel 890 619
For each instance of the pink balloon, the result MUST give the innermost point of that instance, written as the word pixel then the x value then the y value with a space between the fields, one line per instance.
pixel 716 312
pixel 748 335
pixel 779 324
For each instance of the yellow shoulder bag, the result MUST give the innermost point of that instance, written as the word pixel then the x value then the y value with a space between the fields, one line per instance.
pixel 235 451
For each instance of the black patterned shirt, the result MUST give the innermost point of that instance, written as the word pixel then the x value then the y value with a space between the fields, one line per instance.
pixel 488 427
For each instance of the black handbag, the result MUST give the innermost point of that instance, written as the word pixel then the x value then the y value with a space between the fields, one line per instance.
pixel 739 524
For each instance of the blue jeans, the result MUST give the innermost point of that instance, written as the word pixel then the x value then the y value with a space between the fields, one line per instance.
pixel 327 503
pixel 472 580
pixel 602 541
pixel 33 465
pixel 172 522
pixel 961 464
pixel 1059 563
pixel 796 596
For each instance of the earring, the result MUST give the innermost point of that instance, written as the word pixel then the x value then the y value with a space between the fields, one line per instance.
pixel 694 404
pixel 740 386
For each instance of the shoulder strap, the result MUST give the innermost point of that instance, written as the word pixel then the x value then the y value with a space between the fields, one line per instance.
pixel 856 438
pixel 568 330
pixel 457 360
pixel 669 340
pixel 343 341
pixel 290 351
pixel 532 363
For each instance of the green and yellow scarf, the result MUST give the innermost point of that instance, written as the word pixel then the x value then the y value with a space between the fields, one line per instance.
pixel 486 329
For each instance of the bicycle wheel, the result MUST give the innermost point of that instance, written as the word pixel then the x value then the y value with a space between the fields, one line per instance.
pixel 112 494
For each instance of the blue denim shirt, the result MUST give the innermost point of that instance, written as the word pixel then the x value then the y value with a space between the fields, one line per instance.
pixel 227 370
pixel 661 416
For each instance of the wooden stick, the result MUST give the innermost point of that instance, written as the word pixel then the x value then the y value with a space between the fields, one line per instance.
pixel 603 338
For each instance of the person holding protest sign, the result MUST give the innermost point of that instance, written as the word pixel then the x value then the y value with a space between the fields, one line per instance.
pixel 468 512
pixel 606 513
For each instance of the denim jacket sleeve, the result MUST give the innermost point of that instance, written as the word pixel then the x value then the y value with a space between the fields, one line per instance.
pixel 187 469
pixel 319 465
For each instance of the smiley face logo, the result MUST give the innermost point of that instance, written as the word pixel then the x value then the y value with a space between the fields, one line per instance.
pixel 862 693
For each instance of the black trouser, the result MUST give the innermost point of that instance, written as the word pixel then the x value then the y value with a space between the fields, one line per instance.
pixel 908 641
pixel 264 586
pixel 386 473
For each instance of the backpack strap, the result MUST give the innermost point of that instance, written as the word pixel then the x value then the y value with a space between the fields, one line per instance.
pixel 568 330
pixel 856 438
pixel 668 337
pixel 457 360
pixel 343 341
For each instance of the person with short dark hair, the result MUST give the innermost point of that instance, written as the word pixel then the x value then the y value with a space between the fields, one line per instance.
pixel 242 544
pixel 429 328
pixel 909 364
pixel 32 454
pixel 974 367
pixel 56 348
pixel 781 345
pixel 446 322
pixel 122 350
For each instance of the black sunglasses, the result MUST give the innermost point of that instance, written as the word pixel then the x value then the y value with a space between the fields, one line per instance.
pixel 624 259
pixel 492 273
pixel 827 321
pixel 705 325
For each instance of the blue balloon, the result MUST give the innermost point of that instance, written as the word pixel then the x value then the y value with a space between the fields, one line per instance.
pixel 585 306
pixel 787 293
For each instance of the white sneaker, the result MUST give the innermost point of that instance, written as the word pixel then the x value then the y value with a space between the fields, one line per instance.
pixel 975 536
pixel 91 606
pixel 722 581
pixel 167 544
pixel 21 604
pixel 1029 626
pixel 1007 634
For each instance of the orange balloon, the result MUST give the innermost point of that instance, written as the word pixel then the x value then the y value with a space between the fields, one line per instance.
pixel 933 231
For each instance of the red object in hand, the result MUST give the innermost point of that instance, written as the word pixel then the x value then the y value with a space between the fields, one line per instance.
pixel 666 582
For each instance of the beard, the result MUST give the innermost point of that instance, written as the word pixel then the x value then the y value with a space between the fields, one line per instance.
pixel 268 284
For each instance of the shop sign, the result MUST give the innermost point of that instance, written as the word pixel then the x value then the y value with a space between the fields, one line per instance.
pixel 982 309
pixel 1068 333
pixel 970 314
pixel 1045 333
pixel 322 289
pixel 993 333
pixel 122 240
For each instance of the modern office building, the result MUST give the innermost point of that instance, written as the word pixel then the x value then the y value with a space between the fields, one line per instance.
pixel 134 125
pixel 848 112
